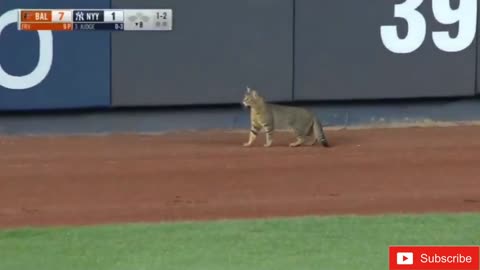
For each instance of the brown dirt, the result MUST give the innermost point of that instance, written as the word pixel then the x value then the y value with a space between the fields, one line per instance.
pixel 209 175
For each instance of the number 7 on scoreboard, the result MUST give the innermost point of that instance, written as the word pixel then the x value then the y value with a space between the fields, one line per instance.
pixel 61 15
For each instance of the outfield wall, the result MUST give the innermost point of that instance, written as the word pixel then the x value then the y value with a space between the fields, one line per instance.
pixel 291 50
pixel 70 70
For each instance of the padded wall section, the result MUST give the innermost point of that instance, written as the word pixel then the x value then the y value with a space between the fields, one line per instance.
pixel 216 49
pixel 340 53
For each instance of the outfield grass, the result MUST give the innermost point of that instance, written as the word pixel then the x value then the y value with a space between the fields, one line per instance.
pixel 331 243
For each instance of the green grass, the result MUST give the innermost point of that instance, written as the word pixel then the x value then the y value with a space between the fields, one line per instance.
pixel 332 243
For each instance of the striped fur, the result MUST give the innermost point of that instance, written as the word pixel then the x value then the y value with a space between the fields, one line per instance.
pixel 270 117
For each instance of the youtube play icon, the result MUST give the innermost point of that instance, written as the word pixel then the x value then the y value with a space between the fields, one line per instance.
pixel 404 258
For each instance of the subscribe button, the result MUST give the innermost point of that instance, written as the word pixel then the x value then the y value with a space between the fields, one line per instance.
pixel 434 257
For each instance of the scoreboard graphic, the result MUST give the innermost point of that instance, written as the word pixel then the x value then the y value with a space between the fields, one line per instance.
pixel 95 20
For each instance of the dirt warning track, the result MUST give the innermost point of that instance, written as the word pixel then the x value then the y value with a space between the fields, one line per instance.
pixel 209 175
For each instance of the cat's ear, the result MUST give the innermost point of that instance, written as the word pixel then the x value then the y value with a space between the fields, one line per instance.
pixel 248 89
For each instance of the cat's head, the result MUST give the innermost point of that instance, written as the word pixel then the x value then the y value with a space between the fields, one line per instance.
pixel 252 98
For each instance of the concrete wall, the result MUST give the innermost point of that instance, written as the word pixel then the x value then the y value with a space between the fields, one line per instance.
pixel 291 50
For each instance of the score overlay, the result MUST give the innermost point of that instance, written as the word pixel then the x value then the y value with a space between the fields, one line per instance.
pixel 95 19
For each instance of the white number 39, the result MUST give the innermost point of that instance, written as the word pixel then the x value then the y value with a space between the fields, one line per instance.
pixel 465 15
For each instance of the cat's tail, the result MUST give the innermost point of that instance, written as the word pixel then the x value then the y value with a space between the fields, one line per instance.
pixel 319 133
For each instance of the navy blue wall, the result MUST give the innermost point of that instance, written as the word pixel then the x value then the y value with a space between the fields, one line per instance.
pixel 300 50
pixel 339 54
pixel 80 71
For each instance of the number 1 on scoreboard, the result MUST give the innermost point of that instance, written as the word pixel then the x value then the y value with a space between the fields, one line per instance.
pixel 113 16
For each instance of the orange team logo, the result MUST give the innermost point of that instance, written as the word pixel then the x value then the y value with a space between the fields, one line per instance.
pixel 26 16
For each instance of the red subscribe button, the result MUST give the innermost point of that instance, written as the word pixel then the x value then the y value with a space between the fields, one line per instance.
pixel 434 257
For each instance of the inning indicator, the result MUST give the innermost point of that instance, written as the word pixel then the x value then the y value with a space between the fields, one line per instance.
pixel 95 20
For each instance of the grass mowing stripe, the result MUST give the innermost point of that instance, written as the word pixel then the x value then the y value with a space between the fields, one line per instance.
pixel 337 243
